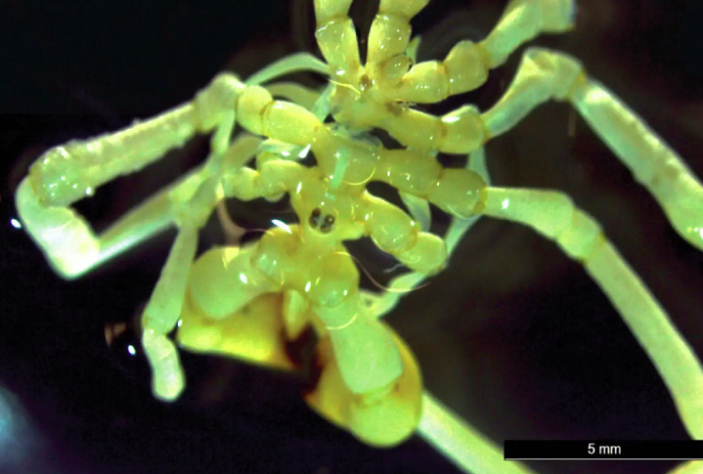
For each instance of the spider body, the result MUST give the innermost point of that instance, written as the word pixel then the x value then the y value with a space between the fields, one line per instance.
pixel 299 275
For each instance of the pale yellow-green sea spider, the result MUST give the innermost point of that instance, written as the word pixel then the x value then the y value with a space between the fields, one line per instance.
pixel 301 275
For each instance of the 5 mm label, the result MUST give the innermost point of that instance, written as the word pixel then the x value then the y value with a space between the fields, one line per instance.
pixel 603 450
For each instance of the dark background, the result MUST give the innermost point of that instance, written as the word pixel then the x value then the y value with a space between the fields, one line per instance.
pixel 513 335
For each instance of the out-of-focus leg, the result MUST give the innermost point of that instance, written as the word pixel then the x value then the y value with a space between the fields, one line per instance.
pixel 545 75
pixel 465 446
pixel 66 174
pixel 553 215
pixel 162 313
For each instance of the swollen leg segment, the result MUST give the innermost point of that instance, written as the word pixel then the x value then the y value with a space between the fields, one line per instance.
pixel 466 66
pixel 384 417
pixel 553 215
pixel 71 246
pixel 336 38
pixel 365 352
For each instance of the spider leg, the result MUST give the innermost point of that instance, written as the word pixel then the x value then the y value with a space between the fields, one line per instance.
pixel 461 443
pixel 66 174
pixel 466 66
pixel 162 313
pixel 545 75
pixel 522 21
pixel 192 205
pixel 554 215
pixel 336 38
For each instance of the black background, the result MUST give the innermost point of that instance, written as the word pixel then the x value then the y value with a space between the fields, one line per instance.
pixel 513 336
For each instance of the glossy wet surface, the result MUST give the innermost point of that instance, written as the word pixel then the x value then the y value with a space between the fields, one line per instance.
pixel 513 335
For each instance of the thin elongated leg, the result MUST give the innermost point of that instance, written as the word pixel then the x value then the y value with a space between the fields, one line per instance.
pixel 553 215
pixel 522 21
pixel 461 443
pixel 545 75
pixel 161 315
pixel 289 64
pixel 192 203
pixel 66 174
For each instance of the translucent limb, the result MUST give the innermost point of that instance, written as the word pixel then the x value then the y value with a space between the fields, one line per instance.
pixel 522 21
pixel 461 443
pixel 68 242
pixel 419 210
pixel 382 418
pixel 239 154
pixel 288 65
pixel 380 305
pixel 65 174
pixel 336 38
pixel 364 349
pixel 321 108
pixel 192 203
pixel 545 75
pixel 553 215
pixel 393 231
pixel 413 47
pixel 162 313
pixel 654 164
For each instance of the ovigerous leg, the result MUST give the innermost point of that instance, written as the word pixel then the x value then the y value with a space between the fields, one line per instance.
pixel 161 315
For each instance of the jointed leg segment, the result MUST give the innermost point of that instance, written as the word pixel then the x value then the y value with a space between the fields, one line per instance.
pixel 545 75
pixel 553 215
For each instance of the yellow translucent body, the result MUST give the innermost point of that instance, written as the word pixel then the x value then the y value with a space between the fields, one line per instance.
pixel 249 302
